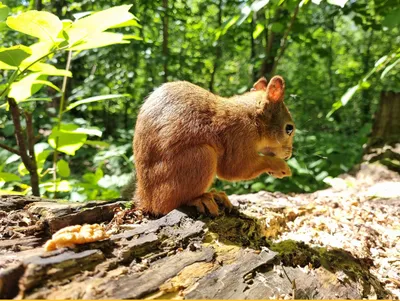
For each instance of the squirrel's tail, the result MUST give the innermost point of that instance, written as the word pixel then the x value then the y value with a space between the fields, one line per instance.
pixel 128 191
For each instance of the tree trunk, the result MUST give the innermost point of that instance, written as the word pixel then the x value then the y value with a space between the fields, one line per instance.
pixel 384 142
pixel 38 5
pixel 386 128
pixel 165 39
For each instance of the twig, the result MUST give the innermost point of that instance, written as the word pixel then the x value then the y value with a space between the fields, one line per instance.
pixel 10 149
pixel 60 113
pixel 29 163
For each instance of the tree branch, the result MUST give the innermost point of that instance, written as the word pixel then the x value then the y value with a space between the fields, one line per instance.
pixel 29 163
pixel 10 149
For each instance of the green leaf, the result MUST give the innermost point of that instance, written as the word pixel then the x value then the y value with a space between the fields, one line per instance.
pixel 63 168
pixel 132 22
pixel 388 68
pixel 132 37
pixel 41 158
pixel 9 177
pixel 47 83
pixel 22 169
pixel 24 88
pixel 97 143
pixel 100 39
pixel 392 19
pixel 349 94
pixel 38 51
pixel 4 11
pixel 340 3
pixel 48 69
pixel 103 20
pixel 63 186
pixel 39 24
pixel 259 29
pixel 93 99
pixel 13 56
pixel 84 28
pixel 47 99
pixel 92 131
pixel 277 27
pixel 68 140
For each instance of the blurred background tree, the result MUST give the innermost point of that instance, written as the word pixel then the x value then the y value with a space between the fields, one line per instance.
pixel 336 56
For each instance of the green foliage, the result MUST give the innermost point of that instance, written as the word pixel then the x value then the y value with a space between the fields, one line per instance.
pixel 31 72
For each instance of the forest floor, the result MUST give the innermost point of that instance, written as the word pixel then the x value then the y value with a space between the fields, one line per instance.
pixel 342 242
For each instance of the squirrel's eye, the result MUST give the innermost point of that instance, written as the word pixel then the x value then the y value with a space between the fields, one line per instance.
pixel 289 129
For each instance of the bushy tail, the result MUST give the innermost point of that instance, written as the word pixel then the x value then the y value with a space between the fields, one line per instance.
pixel 128 190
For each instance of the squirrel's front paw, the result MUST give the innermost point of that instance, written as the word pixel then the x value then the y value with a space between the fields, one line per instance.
pixel 280 169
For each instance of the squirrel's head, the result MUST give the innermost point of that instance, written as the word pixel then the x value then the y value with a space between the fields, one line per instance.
pixel 276 126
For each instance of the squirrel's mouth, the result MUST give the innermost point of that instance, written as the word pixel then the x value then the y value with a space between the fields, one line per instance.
pixel 267 152
pixel 276 152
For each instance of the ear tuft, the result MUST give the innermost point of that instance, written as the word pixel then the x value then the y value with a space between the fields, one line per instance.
pixel 276 89
pixel 261 84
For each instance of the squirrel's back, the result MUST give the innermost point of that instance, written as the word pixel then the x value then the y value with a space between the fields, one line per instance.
pixel 175 113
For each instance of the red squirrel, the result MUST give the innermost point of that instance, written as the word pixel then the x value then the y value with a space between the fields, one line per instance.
pixel 186 135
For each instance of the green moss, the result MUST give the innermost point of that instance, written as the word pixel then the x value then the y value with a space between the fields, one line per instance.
pixel 294 253
pixel 237 229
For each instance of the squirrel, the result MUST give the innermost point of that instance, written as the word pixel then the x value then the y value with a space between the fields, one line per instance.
pixel 186 135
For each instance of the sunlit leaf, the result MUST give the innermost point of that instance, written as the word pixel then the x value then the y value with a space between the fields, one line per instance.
pixel 348 95
pixel 9 177
pixel 258 4
pixel 93 131
pixel 39 24
pixel 132 22
pixel 380 61
pixel 4 11
pixel 68 140
pixel 47 83
pixel 41 158
pixel 258 30
pixel 98 22
pixel 24 88
pixel 132 37
pixel 63 186
pixel 38 51
pixel 48 69
pixel 63 168
pixel 13 56
pixel 97 143
pixel 93 99
pixel 101 39
pixel 340 3
pixel 388 68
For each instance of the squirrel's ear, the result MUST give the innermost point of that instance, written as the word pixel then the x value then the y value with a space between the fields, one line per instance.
pixel 276 89
pixel 261 84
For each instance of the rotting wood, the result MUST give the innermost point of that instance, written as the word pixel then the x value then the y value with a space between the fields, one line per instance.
pixel 137 286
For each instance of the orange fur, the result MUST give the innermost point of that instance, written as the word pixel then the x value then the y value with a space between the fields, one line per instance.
pixel 185 136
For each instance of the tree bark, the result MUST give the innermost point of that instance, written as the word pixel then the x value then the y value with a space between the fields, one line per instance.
pixel 386 127
pixel 28 159
pixel 38 4
pixel 365 93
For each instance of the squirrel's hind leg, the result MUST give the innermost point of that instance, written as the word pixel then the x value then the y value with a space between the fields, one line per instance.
pixel 176 180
